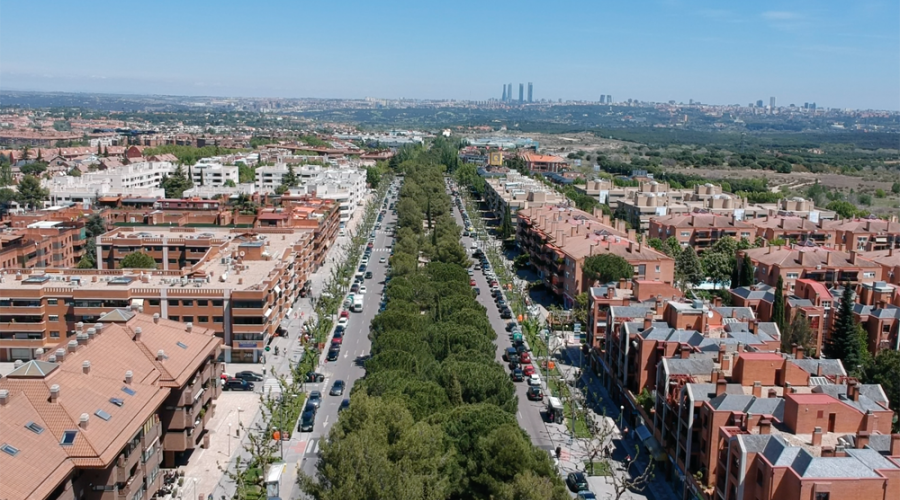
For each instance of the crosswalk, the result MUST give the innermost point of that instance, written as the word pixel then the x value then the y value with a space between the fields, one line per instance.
pixel 312 447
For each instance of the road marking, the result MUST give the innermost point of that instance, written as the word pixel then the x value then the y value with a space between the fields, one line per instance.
pixel 311 447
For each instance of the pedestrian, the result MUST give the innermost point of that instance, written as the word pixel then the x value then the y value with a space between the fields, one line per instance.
pixel 558 451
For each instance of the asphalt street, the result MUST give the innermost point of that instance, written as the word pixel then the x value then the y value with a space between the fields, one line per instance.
pixel 303 448
pixel 530 413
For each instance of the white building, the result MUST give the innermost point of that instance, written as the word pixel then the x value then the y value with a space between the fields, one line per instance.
pixel 212 192
pixel 269 178
pixel 345 186
pixel 213 174
pixel 136 179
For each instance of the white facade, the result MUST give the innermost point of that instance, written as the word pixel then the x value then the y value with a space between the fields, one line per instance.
pixel 347 187
pixel 269 178
pixel 213 174
pixel 136 179
pixel 212 192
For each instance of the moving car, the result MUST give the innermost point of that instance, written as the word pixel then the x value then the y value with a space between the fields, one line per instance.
pixel 528 369
pixel 534 394
pixel 534 380
pixel 576 481
pixel 314 377
pixel 517 375
pixel 509 353
pixel 525 357
pixel 368 275
pixel 236 384
pixel 315 399
pixel 345 403
pixel 382 260
pixel 362 290
pixel 249 376
pixel 338 388
pixel 307 422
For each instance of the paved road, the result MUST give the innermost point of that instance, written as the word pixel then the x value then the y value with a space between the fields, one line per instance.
pixel 530 415
pixel 303 448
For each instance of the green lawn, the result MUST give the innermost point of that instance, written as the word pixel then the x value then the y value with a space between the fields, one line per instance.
pixel 600 469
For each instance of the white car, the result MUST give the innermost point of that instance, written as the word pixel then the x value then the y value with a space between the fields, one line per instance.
pixel 474 245
pixel 343 322
pixel 362 290
pixel 382 260
pixel 534 379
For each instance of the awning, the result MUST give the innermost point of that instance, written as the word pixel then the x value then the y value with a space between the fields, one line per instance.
pixel 650 442
pixel 268 312
pixel 137 302
pixel 199 393
pixel 277 289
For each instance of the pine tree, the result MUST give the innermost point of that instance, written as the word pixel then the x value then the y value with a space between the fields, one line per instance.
pixel 844 343
pixel 506 228
pixel 747 271
pixel 778 307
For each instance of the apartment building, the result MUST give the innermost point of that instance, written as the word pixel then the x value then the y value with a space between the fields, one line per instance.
pixel 136 179
pixel 238 283
pixel 794 229
pixel 868 234
pixel 827 266
pixel 542 164
pixel 30 243
pixel 346 187
pixel 97 416
pixel 558 240
pixel 518 192
pixel 700 231
pixel 268 178
pixel 214 175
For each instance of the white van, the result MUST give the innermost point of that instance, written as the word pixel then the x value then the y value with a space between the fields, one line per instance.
pixel 357 303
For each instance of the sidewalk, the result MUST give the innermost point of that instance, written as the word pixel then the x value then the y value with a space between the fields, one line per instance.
pixel 623 445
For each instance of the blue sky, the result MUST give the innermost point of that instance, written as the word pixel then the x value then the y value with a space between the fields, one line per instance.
pixel 837 53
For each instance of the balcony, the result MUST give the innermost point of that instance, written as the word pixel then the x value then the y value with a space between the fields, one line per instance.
pixel 181 418
pixel 178 440
pixel 17 326
pixel 133 484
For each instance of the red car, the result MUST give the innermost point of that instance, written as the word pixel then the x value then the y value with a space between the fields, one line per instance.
pixel 472 283
pixel 494 283
pixel 529 370
pixel 345 314
pixel 525 358
pixel 370 245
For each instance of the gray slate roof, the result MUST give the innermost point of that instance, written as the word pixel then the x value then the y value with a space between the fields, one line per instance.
pixel 865 403
pixel 749 404
pixel 742 313
pixel 690 366
pixel 811 366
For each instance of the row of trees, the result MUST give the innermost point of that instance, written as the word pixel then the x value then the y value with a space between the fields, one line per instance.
pixel 435 416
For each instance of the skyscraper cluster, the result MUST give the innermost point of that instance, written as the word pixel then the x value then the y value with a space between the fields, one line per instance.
pixel 605 99
pixel 509 97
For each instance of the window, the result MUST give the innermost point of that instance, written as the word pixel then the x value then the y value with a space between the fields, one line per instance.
pixel 54 334
pixel 9 449
pixel 793 276
pixel 187 319
pixel 822 495
pixel 187 303
pixel 117 401
pixel 217 303
pixel 68 438
pixel 203 319
pixel 685 234
pixel 33 427
pixel 867 274
pixel 218 319
pixel 153 302
pixel 202 303
pixel 53 317
pixel 52 302
pixel 820 414
pixel 102 414
pixel 759 477
pixel 173 318
pixel 657 268
pixel 128 390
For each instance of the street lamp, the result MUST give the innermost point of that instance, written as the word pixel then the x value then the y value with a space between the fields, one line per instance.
pixel 621 415
pixel 229 441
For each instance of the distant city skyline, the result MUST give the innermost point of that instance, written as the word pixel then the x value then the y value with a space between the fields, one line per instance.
pixel 837 54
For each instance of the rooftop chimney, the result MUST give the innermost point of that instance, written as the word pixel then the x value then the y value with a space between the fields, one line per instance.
pixel 4 397
pixel 98 327
pixel 156 318
pixel 188 326
pixel 129 375
pixel 800 351
pixel 61 354
pixel 862 439
pixel 685 353
pixel 54 393
pixel 765 425
pixel 91 333
pixel 86 367
pixel 817 436
pixel 721 385
pixel 160 355
pixel 757 389
pixel 648 321
pixel 773 393
pixel 79 326
pixel 137 334
pixel 714 376
pixel 83 421
pixel 827 452
pixel 895 445
pixel 81 338
pixel 51 359
pixel 853 390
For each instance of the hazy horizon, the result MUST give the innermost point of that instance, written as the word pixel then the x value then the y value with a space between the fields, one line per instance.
pixel 827 52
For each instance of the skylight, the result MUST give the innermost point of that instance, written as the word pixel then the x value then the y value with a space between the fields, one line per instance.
pixel 10 449
pixel 128 390
pixel 68 438
pixel 181 345
pixel 102 414
pixel 117 401
pixel 33 427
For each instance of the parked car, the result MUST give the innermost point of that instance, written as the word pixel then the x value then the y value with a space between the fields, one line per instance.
pixel 315 398
pixel 237 384
pixel 525 357
pixel 338 337
pixel 345 403
pixel 333 354
pixel 345 313
pixel 509 353
pixel 527 368
pixel 249 376
pixel 585 495
pixel 506 313
pixel 534 394
pixel 310 408
pixel 477 291
pixel 534 380
pixel 517 375
pixel 337 389
pixel 576 481
pixel 314 377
